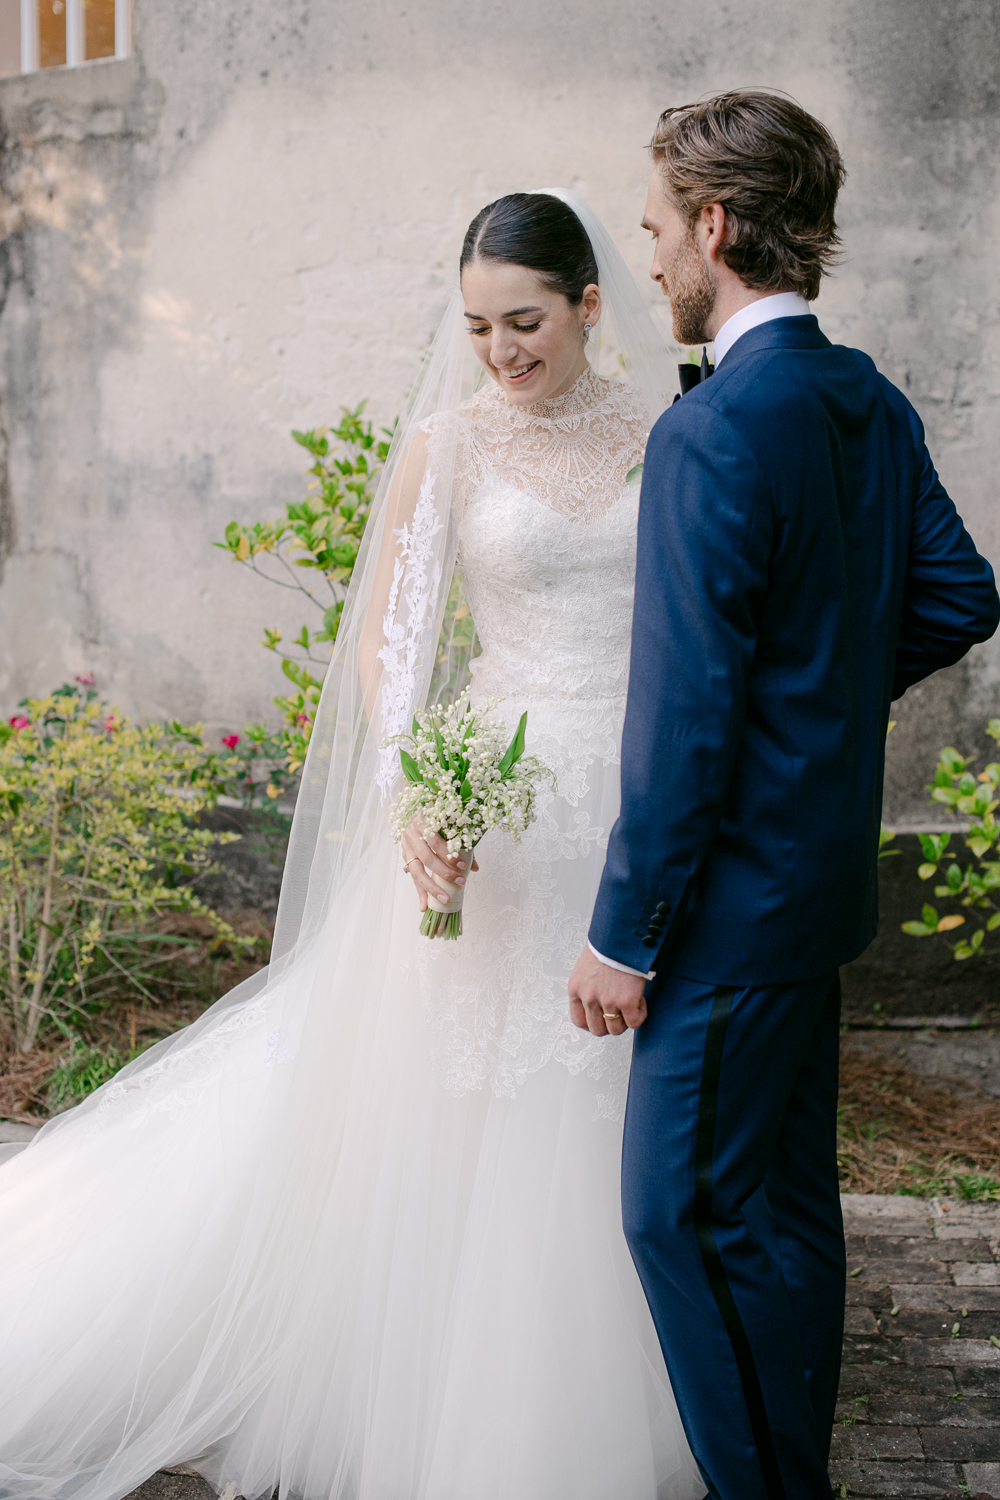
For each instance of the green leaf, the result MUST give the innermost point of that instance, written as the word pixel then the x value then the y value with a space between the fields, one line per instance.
pixel 515 749
pixel 930 917
pixel 962 951
pixel 976 940
pixel 634 475
pixel 410 768
pixel 926 871
pixel 994 922
pixel 465 791
pixel 442 753
pixel 298 674
pixel 917 929
pixel 947 795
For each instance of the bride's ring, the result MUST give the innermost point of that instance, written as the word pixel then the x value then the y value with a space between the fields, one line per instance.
pixel 611 1015
pixel 408 862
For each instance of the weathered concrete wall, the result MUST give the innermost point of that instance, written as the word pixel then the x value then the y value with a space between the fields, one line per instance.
pixel 256 219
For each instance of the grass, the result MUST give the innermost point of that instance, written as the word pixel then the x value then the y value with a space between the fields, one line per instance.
pixel 71 1061
pixel 901 1132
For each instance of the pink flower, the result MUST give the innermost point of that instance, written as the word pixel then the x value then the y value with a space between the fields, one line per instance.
pixel 85 679
pixel 230 741
pixel 20 722
pixel 110 723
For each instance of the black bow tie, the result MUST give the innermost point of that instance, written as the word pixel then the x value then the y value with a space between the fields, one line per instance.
pixel 692 375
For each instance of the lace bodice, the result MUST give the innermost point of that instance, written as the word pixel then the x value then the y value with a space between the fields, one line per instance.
pixel 547 541
pixel 572 452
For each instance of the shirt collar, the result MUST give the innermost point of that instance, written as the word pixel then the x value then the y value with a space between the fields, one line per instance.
pixel 764 310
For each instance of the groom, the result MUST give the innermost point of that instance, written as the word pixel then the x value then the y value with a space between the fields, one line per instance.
pixel 799 566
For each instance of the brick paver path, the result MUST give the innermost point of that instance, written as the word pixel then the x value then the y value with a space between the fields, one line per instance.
pixel 920 1390
pixel 920 1394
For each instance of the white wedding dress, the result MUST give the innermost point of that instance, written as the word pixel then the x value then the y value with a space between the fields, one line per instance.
pixel 375 1252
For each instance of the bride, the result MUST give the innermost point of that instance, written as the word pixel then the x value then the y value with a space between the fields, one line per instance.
pixel 356 1232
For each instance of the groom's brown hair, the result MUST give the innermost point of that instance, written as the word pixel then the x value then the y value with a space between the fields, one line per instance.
pixel 776 171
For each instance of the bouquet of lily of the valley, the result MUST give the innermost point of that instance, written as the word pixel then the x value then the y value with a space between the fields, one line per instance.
pixel 462 779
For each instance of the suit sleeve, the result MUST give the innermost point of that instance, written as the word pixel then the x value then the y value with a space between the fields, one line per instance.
pixel 949 598
pixel 705 535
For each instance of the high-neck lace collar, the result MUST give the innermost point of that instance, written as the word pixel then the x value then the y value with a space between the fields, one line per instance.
pixel 586 392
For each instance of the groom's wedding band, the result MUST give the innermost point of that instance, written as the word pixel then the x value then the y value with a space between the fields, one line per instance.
pixel 611 1015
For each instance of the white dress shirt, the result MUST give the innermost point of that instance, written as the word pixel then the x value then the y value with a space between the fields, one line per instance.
pixel 764 310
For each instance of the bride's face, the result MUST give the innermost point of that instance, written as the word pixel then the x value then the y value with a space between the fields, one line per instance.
pixel 528 337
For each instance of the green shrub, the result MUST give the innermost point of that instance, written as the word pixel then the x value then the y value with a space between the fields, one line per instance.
pixel 974 885
pixel 98 837
pixel 312 549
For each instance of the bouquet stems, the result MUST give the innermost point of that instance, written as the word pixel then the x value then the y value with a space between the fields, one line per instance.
pixel 444 921
pixel 441 924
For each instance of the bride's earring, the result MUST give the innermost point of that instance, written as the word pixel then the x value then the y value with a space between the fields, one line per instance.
pixel 586 331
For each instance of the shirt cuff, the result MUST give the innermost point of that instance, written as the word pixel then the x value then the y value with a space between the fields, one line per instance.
pixel 613 963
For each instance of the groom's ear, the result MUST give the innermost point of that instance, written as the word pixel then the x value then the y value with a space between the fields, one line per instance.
pixel 710 230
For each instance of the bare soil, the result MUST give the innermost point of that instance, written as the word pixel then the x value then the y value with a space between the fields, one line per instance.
pixel 906 1127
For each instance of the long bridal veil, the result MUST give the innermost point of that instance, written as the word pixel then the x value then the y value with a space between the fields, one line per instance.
pixel 159 1241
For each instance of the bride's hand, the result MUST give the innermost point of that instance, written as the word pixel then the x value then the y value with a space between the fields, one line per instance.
pixel 428 863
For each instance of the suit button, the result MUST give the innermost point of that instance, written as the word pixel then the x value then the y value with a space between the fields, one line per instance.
pixel 663 909
pixel 656 927
pixel 650 942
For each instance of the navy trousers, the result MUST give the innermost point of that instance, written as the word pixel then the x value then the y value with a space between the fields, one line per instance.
pixel 732 1212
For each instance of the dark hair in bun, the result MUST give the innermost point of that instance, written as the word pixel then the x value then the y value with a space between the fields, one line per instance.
pixel 537 231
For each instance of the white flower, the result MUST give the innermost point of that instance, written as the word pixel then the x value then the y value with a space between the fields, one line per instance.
pixel 463 778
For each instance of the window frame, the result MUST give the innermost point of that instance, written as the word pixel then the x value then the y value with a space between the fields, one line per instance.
pixel 75 35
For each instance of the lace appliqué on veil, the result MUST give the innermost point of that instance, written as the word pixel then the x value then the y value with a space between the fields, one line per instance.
pixel 415 581
pixel 176 1082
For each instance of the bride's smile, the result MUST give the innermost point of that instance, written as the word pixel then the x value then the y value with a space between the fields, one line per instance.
pixel 527 334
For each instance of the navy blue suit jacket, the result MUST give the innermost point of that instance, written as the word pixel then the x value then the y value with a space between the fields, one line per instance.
pixel 799 566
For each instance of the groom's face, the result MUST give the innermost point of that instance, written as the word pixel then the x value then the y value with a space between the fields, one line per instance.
pixel 680 266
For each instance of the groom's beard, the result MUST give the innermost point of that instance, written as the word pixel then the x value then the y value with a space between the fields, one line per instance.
pixel 689 286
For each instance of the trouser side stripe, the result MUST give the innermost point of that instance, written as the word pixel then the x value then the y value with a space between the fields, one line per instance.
pixel 708 1100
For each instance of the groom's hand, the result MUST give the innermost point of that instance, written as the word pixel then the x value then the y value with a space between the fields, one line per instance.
pixel 604 1000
